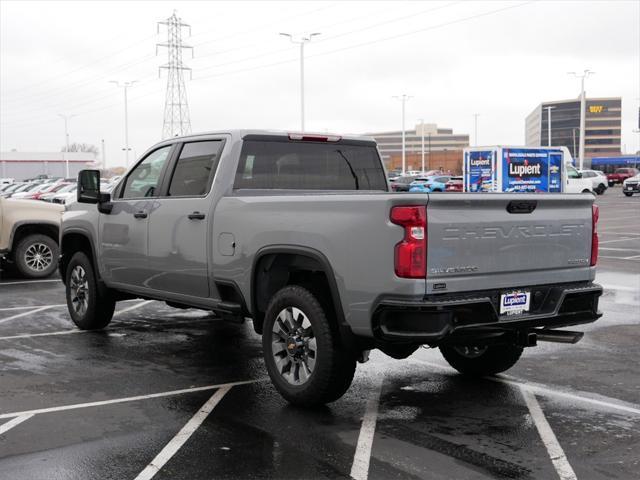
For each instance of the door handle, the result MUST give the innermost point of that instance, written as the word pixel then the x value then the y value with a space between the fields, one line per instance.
pixel 140 214
pixel 196 216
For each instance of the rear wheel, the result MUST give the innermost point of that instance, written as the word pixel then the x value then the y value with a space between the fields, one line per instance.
pixel 303 353
pixel 90 304
pixel 36 256
pixel 479 360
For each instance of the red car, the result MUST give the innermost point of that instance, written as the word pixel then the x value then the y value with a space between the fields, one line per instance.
pixel 620 175
pixel 453 185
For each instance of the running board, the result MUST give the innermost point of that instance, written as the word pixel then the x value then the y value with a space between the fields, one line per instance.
pixel 558 336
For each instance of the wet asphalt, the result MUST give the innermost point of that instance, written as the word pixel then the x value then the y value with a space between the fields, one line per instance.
pixel 430 422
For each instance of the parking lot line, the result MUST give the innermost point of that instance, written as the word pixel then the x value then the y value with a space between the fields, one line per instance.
pixel 183 435
pixel 623 239
pixel 45 334
pixel 10 309
pixel 112 401
pixel 557 455
pixel 24 314
pixel 610 403
pixel 5 427
pixel 29 281
pixel 614 249
pixel 362 457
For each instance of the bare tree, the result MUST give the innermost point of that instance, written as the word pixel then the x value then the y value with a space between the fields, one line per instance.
pixel 81 147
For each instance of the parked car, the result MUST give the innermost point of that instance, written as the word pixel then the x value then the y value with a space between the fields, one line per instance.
pixel 401 184
pixel 56 187
pixel 6 180
pixel 621 174
pixel 435 183
pixel 20 188
pixel 599 182
pixel 29 236
pixel 64 190
pixel 34 189
pixel 326 262
pixel 454 185
pixel 631 185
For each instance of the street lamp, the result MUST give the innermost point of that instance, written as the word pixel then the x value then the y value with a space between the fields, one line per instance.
pixel 125 86
pixel 548 109
pixel 403 98
pixel 66 119
pixel 475 128
pixel 422 135
pixel 301 41
pixel 583 109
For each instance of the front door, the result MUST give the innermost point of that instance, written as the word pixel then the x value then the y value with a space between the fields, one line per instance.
pixel 124 232
pixel 180 223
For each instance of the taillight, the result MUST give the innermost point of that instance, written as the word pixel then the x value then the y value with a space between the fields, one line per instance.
pixel 595 215
pixel 411 252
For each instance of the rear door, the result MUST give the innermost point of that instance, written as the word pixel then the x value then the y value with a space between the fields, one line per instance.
pixel 180 222
pixel 480 241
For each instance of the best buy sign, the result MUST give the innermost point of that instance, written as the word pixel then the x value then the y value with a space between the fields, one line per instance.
pixel 596 108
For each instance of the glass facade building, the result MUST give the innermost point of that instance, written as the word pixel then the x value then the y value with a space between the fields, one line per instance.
pixel 603 124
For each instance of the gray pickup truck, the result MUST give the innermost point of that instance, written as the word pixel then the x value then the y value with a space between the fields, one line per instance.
pixel 300 234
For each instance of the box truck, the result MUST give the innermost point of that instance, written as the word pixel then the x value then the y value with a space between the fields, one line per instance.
pixel 521 169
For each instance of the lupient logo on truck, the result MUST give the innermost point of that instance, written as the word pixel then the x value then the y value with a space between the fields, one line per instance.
pixel 480 162
pixel 524 170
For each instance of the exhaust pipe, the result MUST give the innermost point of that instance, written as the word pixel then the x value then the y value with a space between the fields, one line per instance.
pixel 558 336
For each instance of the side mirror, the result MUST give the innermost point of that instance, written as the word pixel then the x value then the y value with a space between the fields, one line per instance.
pixel 89 191
pixel 89 186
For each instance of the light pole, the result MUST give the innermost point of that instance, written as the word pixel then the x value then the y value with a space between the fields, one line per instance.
pixel 573 130
pixel 403 98
pixel 422 134
pixel 548 109
pixel 66 119
pixel 583 110
pixel 125 86
pixel 301 41
pixel 475 128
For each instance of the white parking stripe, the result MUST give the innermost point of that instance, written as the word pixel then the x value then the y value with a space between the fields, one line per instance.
pixel 171 393
pixel 182 436
pixel 46 334
pixel 133 307
pixel 5 427
pixel 29 281
pixel 610 403
pixel 24 314
pixel 557 455
pixel 10 309
pixel 360 466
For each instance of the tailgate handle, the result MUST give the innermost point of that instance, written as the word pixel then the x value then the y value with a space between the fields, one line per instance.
pixel 522 206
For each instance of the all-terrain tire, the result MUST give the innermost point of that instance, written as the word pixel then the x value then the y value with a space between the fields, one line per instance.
pixel 36 256
pixel 333 364
pixel 90 304
pixel 494 359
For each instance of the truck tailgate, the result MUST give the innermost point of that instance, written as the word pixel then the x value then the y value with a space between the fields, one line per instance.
pixel 485 241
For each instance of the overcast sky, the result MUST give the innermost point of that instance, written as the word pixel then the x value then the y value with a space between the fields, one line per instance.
pixel 499 59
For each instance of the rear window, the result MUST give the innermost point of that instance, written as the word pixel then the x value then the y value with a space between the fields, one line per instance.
pixel 309 166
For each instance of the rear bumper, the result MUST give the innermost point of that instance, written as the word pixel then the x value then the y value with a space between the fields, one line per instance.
pixel 439 318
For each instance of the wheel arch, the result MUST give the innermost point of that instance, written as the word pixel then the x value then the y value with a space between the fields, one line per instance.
pixel 73 241
pixel 277 266
pixel 27 227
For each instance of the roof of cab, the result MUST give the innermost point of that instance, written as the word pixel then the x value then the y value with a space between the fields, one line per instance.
pixel 241 133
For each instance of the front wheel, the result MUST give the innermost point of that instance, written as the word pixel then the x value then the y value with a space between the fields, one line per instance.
pixel 601 189
pixel 90 304
pixel 628 194
pixel 481 360
pixel 36 256
pixel 303 353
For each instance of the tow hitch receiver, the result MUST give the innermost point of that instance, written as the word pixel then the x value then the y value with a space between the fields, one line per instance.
pixel 558 336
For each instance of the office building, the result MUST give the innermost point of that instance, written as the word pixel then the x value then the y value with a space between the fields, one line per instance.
pixel 23 165
pixel 603 124
pixel 435 140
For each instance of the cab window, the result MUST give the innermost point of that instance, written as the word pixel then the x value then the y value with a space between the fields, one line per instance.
pixel 144 180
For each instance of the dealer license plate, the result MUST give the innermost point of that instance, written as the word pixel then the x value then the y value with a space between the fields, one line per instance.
pixel 514 303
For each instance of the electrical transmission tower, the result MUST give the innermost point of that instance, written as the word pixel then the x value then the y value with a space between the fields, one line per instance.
pixel 176 108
